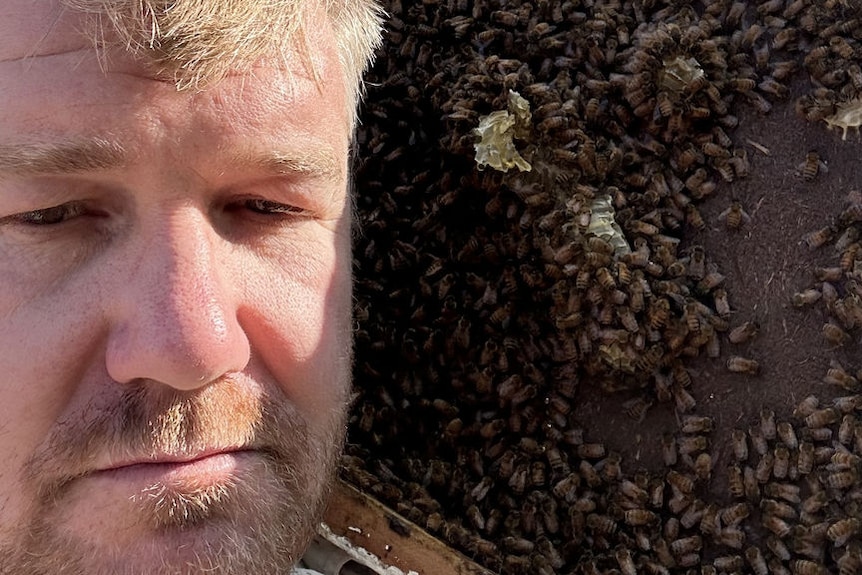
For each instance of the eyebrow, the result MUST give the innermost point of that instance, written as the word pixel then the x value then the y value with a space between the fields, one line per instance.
pixel 314 161
pixel 56 158
pixel 71 157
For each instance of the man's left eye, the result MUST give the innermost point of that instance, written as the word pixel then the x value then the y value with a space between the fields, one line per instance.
pixel 268 207
pixel 51 216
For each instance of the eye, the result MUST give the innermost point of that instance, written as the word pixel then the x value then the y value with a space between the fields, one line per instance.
pixel 268 207
pixel 51 216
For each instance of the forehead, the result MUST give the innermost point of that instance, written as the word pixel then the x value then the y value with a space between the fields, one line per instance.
pixel 53 83
pixel 30 27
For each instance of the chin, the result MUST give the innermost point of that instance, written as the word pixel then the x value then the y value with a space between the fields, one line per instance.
pixel 258 522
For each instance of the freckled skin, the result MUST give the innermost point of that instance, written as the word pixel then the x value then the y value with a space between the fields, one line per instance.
pixel 170 309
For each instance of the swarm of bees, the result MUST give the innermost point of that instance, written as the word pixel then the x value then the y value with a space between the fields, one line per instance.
pixel 485 300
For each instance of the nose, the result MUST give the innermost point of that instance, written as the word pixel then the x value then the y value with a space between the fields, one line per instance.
pixel 175 319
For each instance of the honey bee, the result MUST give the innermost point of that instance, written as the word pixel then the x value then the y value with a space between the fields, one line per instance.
pixel 591 451
pixel 710 281
pixel 625 561
pixel 739 445
pixel 764 467
pixel 758 442
pixel 696 424
pixel 729 563
pixel 669 453
pixel 752 487
pixel 601 524
pixel 683 400
pixel 756 560
pixel 781 463
pixel 681 482
pixel 812 166
pixel 834 335
pixel 697 263
pixel 686 545
pixel 787 491
pixel 821 418
pixel 689 445
pixel 743 333
pixel 734 216
pixel 850 561
pixel 703 467
pixel 837 375
pixel 819 237
pixel 806 297
pixel 639 517
pixel 722 306
pixel 841 479
pixel 807 567
pixel 735 481
pixel 805 459
pixel 738 364
pixel 847 429
pixel 832 274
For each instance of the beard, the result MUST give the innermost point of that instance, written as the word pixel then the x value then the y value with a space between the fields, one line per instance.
pixel 257 521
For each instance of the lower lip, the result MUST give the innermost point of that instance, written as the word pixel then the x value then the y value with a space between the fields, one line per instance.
pixel 198 473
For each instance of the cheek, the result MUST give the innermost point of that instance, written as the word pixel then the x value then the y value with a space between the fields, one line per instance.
pixel 298 323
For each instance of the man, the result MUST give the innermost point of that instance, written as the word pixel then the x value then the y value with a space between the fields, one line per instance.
pixel 174 279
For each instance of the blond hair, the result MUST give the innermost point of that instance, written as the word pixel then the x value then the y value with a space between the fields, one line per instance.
pixel 198 42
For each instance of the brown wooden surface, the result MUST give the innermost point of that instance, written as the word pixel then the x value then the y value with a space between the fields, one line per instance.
pixel 366 523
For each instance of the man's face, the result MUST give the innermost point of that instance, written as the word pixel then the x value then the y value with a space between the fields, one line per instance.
pixel 174 306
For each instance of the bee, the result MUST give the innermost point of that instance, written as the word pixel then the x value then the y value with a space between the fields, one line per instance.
pixel 681 482
pixel 729 563
pixel 770 86
pixel 591 451
pixel 686 545
pixel 735 481
pixel 806 297
pixel 807 567
pixel 710 281
pixel 739 445
pixel 781 464
pixel 850 561
pixel 764 467
pixel 834 335
pixel 787 491
pixel 844 460
pixel 778 509
pixel 689 445
pixel 819 237
pixel 722 306
pixel 837 375
pixel 738 364
pixel 625 561
pixel 847 429
pixel 668 450
pixel 601 524
pixel 639 517
pixel 821 418
pixel 749 481
pixel 767 423
pixel 683 400
pixel 812 166
pixel 743 333
pixel 848 256
pixel 805 459
pixel 756 560
pixel 739 163
pixel 841 479
pixel 703 467
pixel 758 442
pixel 696 424
pixel 734 216
pixel 760 103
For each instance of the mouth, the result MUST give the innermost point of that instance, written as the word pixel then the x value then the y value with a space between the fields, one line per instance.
pixel 197 471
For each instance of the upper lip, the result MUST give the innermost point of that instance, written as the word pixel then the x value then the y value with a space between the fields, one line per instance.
pixel 157 458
